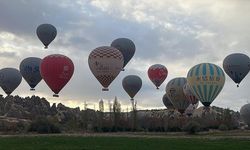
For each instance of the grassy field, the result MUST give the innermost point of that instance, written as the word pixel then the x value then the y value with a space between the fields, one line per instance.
pixel 104 142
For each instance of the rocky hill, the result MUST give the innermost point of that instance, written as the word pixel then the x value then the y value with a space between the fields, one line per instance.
pixel 17 113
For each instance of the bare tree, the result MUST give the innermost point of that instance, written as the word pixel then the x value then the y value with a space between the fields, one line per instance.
pixel 85 105
pixel 117 113
pixel 100 115
pixel 101 106
pixel 134 114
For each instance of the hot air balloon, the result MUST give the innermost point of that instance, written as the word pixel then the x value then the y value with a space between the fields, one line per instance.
pixel 10 78
pixel 46 34
pixel 206 81
pixel 132 84
pixel 167 102
pixel 56 70
pixel 126 47
pixel 105 63
pixel 237 66
pixel 245 113
pixel 157 74
pixel 189 94
pixel 174 90
pixel 30 70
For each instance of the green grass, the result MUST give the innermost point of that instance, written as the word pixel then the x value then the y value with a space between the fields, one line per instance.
pixel 119 143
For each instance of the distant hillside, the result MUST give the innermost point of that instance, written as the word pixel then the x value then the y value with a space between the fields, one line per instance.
pixel 18 114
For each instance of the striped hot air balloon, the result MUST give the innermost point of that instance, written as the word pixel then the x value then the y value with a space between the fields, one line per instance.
pixel 174 90
pixel 189 94
pixel 206 81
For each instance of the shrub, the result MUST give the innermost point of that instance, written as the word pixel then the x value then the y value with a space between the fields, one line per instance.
pixel 43 125
pixel 192 127
pixel 223 127
pixel 173 129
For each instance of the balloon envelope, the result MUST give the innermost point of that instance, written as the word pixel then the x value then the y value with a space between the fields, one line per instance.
pixel 174 90
pixel 189 94
pixel 46 33
pixel 167 102
pixel 245 113
pixel 132 84
pixel 105 63
pixel 126 47
pixel 236 66
pixel 10 78
pixel 56 70
pixel 157 74
pixel 30 70
pixel 206 81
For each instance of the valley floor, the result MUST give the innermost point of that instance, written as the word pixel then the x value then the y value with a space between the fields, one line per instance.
pixel 214 140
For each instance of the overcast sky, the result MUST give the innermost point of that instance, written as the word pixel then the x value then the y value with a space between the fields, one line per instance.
pixel 178 34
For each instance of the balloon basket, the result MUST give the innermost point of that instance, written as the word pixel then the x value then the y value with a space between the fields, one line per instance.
pixel 45 47
pixel 32 89
pixel 55 95
pixel 105 89
pixel 157 88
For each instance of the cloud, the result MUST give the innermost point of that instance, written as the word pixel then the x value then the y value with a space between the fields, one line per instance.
pixel 178 34
pixel 8 54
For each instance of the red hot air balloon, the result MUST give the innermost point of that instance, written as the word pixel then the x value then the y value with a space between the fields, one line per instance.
pixel 157 74
pixel 56 70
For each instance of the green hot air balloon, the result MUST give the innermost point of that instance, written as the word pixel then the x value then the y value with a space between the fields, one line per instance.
pixel 46 34
pixel 174 90
pixel 10 78
pixel 126 47
pixel 132 84
pixel 206 80
pixel 30 70
pixel 236 66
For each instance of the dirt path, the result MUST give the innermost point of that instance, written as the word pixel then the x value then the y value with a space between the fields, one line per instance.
pixel 238 134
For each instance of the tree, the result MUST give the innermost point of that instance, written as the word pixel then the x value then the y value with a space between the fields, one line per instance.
pixel 100 115
pixel 117 113
pixel 134 114
pixel 101 106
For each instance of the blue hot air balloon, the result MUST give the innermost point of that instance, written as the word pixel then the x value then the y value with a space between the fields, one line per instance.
pixel 30 70
pixel 237 66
